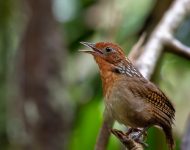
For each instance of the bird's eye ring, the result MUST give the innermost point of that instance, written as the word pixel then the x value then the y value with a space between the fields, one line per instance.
pixel 108 49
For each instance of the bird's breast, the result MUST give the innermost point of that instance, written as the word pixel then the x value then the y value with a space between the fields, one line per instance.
pixel 125 107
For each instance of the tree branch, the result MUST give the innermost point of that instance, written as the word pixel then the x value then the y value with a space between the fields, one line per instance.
pixel 127 140
pixel 44 120
pixel 154 46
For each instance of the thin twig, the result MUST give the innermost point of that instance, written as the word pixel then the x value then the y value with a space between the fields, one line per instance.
pixel 137 48
pixel 175 46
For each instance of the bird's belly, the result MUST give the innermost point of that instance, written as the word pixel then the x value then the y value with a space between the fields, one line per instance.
pixel 128 110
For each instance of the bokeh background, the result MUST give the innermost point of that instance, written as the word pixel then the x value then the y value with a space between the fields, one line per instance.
pixel 78 98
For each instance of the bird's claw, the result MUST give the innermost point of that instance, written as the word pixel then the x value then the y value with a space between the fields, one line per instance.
pixel 131 130
pixel 136 133
pixel 131 134
pixel 138 137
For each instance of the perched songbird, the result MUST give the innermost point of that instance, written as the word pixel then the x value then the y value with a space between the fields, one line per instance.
pixel 130 98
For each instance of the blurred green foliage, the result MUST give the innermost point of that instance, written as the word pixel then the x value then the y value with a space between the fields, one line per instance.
pixel 88 121
pixel 86 94
pixel 5 15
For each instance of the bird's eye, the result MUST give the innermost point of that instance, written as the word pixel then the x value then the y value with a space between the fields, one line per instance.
pixel 108 49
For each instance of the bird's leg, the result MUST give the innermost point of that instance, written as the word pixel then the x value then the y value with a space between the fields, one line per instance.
pixel 131 130
pixel 136 130
pixel 136 137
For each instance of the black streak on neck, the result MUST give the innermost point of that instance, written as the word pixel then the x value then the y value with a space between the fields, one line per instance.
pixel 116 70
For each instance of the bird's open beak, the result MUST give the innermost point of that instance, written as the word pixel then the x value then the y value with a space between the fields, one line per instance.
pixel 93 50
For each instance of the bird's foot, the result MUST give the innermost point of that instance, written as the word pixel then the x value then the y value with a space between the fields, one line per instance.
pixel 127 137
pixel 139 135
pixel 131 130
pixel 140 141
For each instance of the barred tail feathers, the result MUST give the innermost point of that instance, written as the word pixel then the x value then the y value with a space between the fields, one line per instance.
pixel 169 137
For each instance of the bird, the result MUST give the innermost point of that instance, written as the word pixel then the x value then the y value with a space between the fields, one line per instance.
pixel 130 98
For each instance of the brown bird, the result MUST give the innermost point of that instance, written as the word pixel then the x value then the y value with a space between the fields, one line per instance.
pixel 130 98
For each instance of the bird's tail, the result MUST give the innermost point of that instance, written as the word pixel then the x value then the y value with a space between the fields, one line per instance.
pixel 169 137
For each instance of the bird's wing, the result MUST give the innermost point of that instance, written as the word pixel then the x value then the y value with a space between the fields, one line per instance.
pixel 161 108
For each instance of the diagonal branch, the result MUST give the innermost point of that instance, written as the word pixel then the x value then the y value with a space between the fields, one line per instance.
pixel 166 28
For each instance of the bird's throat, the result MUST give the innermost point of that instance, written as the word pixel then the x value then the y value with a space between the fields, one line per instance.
pixel 108 78
pixel 108 75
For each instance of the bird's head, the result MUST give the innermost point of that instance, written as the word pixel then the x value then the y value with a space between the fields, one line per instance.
pixel 105 53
